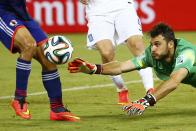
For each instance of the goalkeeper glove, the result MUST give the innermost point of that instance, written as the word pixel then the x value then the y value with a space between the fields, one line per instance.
pixel 79 65
pixel 138 107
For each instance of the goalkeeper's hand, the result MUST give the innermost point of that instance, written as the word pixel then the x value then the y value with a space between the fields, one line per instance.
pixel 79 65
pixel 138 107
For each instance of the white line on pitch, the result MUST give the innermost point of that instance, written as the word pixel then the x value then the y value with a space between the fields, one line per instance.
pixel 77 88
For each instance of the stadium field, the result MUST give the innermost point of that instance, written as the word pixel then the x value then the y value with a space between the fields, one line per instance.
pixel 94 98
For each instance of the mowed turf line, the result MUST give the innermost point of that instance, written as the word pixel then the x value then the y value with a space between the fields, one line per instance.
pixel 96 107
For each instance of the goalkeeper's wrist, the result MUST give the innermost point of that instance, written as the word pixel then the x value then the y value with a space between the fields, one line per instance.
pixel 150 99
pixel 99 69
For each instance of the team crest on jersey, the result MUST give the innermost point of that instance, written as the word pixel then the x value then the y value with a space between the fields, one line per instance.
pixel 90 37
pixel 13 23
pixel 180 60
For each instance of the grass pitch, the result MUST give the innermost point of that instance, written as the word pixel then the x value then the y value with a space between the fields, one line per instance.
pixel 94 98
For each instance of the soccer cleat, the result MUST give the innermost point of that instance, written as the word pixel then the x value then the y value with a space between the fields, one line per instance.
pixel 63 116
pixel 123 97
pixel 21 108
pixel 150 91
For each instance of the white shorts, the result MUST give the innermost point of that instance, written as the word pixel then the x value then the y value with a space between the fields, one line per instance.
pixel 116 26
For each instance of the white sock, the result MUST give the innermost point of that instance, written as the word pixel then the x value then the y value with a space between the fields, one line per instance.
pixel 147 78
pixel 119 82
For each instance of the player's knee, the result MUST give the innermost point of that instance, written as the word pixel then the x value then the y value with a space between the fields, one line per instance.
pixel 29 48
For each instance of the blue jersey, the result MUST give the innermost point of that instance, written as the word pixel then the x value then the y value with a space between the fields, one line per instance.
pixel 15 7
pixel 14 15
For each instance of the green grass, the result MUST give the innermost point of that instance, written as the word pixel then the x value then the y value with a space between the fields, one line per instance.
pixel 97 106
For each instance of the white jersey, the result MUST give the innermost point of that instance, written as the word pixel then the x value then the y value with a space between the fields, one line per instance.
pixel 99 7
pixel 115 20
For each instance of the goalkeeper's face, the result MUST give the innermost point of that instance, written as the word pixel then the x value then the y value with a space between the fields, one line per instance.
pixel 159 48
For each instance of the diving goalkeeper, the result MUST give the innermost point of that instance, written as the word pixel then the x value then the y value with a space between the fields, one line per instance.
pixel 173 60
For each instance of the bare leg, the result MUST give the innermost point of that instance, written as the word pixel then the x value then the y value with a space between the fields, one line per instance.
pixel 25 45
pixel 107 53
pixel 136 47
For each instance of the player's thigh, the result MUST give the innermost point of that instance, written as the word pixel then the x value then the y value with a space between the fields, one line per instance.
pixel 23 39
pixel 100 28
pixel 127 24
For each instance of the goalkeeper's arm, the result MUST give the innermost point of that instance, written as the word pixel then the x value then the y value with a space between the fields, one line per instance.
pixel 112 68
pixel 171 84
pixel 116 67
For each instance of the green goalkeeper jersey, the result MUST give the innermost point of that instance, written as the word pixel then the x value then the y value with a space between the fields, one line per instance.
pixel 184 57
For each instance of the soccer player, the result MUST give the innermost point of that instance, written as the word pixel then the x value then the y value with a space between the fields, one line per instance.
pixel 20 33
pixel 174 62
pixel 111 23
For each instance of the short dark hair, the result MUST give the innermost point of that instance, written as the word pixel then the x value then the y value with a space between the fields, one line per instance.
pixel 164 30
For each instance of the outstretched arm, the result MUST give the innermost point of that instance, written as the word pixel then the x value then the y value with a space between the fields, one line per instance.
pixel 111 68
pixel 139 106
pixel 116 67
pixel 168 86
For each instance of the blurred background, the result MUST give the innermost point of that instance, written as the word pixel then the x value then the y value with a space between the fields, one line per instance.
pixel 68 16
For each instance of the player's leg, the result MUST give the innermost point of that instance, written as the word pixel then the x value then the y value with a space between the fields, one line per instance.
pixel 18 39
pixel 100 36
pixel 52 84
pixel 50 77
pixel 129 29
pixel 107 52
pixel 136 46
pixel 24 42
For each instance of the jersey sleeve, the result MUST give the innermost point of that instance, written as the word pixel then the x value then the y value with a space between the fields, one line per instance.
pixel 140 62
pixel 185 59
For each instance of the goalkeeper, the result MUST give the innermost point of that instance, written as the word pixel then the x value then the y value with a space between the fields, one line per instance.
pixel 173 60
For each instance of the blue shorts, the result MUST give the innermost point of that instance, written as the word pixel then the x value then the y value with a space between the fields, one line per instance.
pixel 9 24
